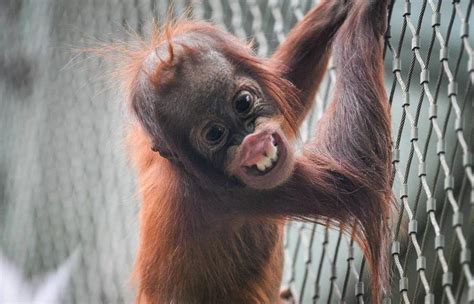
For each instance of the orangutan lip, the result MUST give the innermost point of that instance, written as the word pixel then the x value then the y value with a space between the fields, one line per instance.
pixel 256 172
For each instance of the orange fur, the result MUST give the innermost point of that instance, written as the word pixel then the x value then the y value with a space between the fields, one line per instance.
pixel 198 245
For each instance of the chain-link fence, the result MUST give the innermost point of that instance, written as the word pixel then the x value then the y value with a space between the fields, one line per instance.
pixel 66 186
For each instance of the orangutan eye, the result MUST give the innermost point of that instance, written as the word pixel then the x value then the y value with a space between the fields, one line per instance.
pixel 215 134
pixel 243 102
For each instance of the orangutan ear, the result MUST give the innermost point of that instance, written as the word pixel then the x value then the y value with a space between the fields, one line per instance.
pixel 164 152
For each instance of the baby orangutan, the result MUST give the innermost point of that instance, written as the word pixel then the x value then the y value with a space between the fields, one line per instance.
pixel 213 146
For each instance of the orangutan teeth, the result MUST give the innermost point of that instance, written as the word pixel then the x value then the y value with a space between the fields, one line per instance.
pixel 272 152
pixel 268 160
pixel 261 167
pixel 264 163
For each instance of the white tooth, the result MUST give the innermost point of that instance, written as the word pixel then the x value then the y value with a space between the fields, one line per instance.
pixel 275 158
pixel 264 163
pixel 260 166
pixel 261 161
pixel 268 162
pixel 271 152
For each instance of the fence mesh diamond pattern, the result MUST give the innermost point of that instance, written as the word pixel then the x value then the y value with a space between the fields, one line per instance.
pixel 66 185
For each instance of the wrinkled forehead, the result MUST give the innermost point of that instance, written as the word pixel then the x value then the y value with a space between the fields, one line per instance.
pixel 207 81
pixel 202 84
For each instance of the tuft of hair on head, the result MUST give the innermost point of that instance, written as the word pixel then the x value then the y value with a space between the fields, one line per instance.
pixel 127 57
pixel 168 34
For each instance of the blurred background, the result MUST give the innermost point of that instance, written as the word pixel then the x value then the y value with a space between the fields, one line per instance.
pixel 67 189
